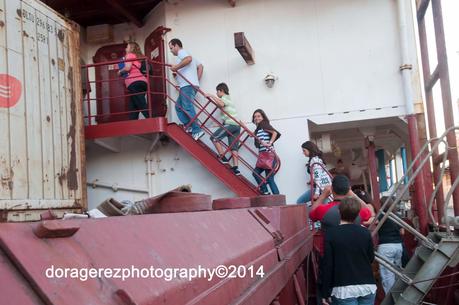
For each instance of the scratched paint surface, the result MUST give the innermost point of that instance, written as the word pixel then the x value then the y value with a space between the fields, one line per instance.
pixel 40 151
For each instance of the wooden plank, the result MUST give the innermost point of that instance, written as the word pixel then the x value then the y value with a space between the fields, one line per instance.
pixel 63 112
pixel 34 215
pixel 79 140
pixel 70 104
pixel 23 204
pixel 42 39
pixel 5 192
pixel 32 101
pixel 56 107
pixel 245 49
pixel 17 119
pixel 2 25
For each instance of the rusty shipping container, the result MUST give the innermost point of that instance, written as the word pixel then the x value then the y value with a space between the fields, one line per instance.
pixel 41 129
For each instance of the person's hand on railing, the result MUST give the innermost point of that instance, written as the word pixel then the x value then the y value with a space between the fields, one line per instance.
pixel 174 68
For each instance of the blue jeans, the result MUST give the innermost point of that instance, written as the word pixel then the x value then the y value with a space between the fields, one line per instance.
pixel 185 108
pixel 393 253
pixel 269 181
pixel 368 299
pixel 306 197
pixel 231 132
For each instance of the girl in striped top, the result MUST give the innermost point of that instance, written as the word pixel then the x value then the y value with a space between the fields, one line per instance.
pixel 316 168
pixel 266 135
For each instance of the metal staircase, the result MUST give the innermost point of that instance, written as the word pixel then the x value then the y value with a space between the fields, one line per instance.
pixel 115 126
pixel 435 252
pixel 423 269
pixel 209 159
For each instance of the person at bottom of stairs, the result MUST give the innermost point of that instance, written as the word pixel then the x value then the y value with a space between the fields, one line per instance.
pixel 345 272
pixel 265 135
pixel 391 247
pixel 230 129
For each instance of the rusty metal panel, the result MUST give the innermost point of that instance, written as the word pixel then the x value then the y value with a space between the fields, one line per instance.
pixel 178 240
pixel 14 288
pixel 4 115
pixel 17 178
pixel 42 153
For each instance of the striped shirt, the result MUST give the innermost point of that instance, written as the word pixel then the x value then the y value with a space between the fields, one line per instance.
pixel 263 136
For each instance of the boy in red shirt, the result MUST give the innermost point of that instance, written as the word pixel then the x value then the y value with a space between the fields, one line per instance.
pixel 328 214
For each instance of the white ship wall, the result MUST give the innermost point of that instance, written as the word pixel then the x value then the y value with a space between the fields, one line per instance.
pixel 335 60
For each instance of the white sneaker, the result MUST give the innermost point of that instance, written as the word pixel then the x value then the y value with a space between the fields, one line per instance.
pixel 198 135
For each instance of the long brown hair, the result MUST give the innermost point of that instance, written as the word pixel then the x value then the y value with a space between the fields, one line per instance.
pixel 135 48
pixel 263 115
pixel 313 149
pixel 264 124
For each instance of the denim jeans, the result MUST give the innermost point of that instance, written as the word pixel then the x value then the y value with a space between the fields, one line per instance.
pixel 231 132
pixel 393 253
pixel 185 108
pixel 368 299
pixel 270 181
pixel 306 197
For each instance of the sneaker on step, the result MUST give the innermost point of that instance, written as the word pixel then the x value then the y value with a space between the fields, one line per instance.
pixel 188 130
pixel 236 171
pixel 224 160
pixel 198 135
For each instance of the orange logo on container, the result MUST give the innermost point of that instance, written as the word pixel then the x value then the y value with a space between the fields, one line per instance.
pixel 10 91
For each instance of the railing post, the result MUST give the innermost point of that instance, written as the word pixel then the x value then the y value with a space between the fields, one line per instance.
pixel 150 110
pixel 88 94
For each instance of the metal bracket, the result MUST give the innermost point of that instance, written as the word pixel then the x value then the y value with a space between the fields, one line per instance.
pixel 264 221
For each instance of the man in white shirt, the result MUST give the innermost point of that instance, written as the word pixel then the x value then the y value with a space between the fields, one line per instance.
pixel 191 69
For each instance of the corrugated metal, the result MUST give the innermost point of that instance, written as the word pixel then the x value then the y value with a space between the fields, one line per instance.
pixel 42 148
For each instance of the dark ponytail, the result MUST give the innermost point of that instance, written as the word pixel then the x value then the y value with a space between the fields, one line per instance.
pixel 314 151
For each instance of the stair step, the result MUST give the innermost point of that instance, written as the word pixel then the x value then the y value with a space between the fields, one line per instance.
pixel 209 159
pixel 423 253
pixel 395 295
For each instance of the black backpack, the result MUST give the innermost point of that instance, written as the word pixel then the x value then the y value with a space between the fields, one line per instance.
pixel 143 68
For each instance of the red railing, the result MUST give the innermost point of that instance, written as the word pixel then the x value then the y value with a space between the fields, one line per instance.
pixel 204 112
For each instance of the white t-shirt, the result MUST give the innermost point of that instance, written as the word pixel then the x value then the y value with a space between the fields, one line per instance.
pixel 353 291
pixel 190 71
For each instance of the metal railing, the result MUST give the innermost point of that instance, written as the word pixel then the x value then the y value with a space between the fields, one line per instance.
pixel 204 111
pixel 387 209
pixel 423 157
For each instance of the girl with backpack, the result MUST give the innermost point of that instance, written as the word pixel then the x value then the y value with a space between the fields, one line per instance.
pixel 320 177
pixel 135 82
pixel 265 135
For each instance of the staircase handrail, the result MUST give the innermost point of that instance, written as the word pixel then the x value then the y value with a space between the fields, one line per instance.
pixel 407 185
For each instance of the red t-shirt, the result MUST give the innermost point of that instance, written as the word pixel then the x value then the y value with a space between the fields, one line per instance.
pixel 319 213
pixel 328 215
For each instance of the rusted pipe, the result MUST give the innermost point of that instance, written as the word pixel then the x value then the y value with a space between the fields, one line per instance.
pixel 370 145
pixel 453 156
pixel 420 200
pixel 439 198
